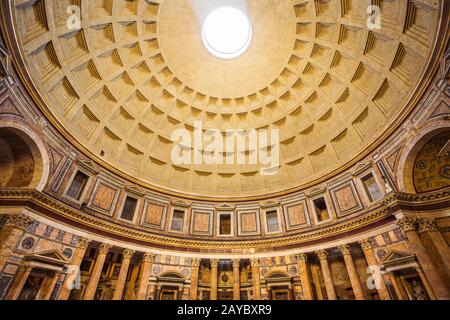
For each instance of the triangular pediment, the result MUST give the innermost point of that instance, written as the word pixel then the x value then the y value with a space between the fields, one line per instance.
pixel 269 204
pixel 179 203
pixel 53 257
pixel 361 167
pixel 136 190
pixel 225 206
pixel 316 191
pixel 395 257
pixel 88 165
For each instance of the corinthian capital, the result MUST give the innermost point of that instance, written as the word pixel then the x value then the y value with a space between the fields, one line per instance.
pixel 407 224
pixel 104 248
pixel 149 257
pixel 302 257
pixel 83 243
pixel 19 221
pixel 214 263
pixel 427 224
pixel 365 244
pixel 255 262
pixel 236 263
pixel 345 249
pixel 128 254
pixel 322 254
pixel 196 262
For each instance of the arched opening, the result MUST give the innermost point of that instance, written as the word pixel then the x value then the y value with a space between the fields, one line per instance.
pixel 432 164
pixel 424 165
pixel 21 162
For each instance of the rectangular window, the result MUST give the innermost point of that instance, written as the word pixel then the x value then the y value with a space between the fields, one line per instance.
pixel 225 225
pixel 321 210
pixel 371 187
pixel 177 221
pixel 129 209
pixel 273 224
pixel 78 185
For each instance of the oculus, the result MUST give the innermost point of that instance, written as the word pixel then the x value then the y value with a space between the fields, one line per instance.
pixel 227 33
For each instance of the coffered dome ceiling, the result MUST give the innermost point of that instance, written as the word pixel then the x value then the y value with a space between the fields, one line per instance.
pixel 138 70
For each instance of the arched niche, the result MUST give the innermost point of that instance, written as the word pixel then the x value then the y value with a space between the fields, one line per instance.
pixel 23 158
pixel 432 164
pixel 424 164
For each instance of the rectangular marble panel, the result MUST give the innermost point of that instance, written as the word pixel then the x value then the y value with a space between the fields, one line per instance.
pixel 249 222
pixel 202 222
pixel 154 214
pixel 104 197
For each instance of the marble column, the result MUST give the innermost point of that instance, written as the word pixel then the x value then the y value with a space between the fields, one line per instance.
pixel 351 270
pixel 398 287
pixel 146 270
pixel 425 283
pixel 12 231
pixel 185 293
pixel 302 261
pixel 96 272
pixel 372 261
pixel 19 282
pixel 430 228
pixel 256 280
pixel 152 291
pixel 408 225
pixel 74 268
pixel 331 292
pixel 214 276
pixel 48 287
pixel 195 269
pixel 236 280
pixel 316 279
pixel 120 285
pixel 131 285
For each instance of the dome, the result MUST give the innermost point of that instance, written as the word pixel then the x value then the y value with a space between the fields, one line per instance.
pixel 324 80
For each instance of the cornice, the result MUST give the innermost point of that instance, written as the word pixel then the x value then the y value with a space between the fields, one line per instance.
pixel 54 209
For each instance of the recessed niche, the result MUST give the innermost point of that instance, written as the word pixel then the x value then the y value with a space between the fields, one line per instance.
pixel 321 208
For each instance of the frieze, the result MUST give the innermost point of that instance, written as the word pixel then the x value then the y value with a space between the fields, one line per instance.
pixel 366 218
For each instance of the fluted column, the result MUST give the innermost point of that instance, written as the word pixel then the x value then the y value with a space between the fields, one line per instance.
pixel 408 225
pixel 425 283
pixel 15 226
pixel 19 282
pixel 214 275
pixel 256 280
pixel 430 228
pixel 48 288
pixel 96 272
pixel 75 264
pixel 145 276
pixel 331 292
pixel 398 287
pixel 194 278
pixel 236 280
pixel 131 285
pixel 120 285
pixel 302 261
pixel 372 261
pixel 351 270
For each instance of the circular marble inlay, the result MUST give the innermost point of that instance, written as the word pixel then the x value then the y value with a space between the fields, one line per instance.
pixel 28 243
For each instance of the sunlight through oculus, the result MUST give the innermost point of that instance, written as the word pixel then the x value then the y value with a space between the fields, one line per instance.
pixel 227 33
